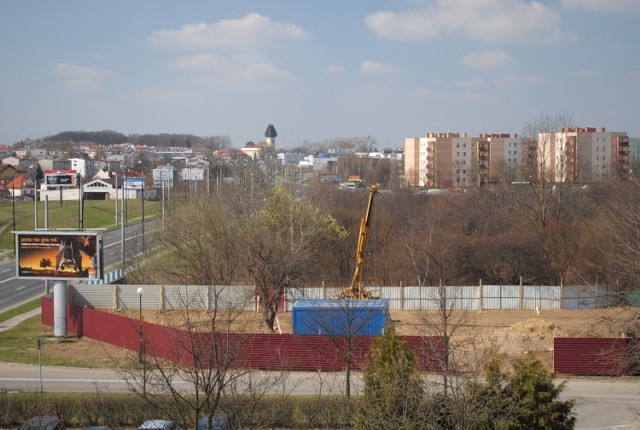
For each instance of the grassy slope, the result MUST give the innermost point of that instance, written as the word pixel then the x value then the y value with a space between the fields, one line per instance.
pixel 97 214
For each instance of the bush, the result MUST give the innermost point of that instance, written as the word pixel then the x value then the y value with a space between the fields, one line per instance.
pixel 118 411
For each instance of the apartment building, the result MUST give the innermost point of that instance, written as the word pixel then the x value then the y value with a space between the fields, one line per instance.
pixel 583 155
pixel 443 160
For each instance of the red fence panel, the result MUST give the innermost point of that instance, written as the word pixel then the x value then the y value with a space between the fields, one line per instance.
pixel 592 356
pixel 255 351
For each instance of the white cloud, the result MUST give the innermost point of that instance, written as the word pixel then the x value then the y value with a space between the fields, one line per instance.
pixel 250 32
pixel 513 79
pixel 485 59
pixel 482 20
pixel 265 71
pixel 81 78
pixel 632 6
pixel 200 62
pixel 369 67
pixel 336 70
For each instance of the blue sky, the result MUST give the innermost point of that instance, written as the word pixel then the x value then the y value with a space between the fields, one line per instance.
pixel 317 70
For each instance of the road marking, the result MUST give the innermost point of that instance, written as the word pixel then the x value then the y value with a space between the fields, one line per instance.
pixel 7 270
pixel 20 288
pixel 8 279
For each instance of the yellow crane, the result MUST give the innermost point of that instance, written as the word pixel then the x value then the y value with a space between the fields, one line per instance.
pixel 356 288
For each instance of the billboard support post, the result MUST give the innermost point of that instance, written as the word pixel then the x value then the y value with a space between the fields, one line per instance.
pixel 60 308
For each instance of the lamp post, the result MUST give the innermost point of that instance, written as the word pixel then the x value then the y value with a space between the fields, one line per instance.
pixel 143 185
pixel 35 199
pixel 140 290
pixel 13 203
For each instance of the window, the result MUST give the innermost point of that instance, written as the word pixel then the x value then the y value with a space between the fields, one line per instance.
pixel 464 154
pixel 604 158
pixel 464 162
pixel 597 149
pixel 464 145
pixel 597 158
pixel 457 145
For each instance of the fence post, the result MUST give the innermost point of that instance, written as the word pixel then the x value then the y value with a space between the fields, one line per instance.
pixel 162 304
pixel 401 296
pixel 480 295
pixel 324 291
pixel 208 295
pixel 521 295
pixel 115 297
pixel 597 288
pixel 561 291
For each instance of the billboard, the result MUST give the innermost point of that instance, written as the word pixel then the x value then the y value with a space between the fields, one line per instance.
pixel 134 183
pixel 60 179
pixel 193 174
pixel 163 178
pixel 59 255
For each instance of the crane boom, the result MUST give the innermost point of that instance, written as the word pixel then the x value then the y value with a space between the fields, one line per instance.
pixel 356 288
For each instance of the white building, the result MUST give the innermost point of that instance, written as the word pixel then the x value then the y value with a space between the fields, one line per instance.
pixel 583 155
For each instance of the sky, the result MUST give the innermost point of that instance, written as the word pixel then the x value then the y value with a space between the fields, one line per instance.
pixel 317 70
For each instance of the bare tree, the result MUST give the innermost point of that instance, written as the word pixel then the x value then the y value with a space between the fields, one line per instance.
pixel 200 363
pixel 202 241
pixel 545 197
pixel 616 235
pixel 342 322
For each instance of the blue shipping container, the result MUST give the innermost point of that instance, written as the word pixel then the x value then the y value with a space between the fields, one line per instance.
pixel 340 317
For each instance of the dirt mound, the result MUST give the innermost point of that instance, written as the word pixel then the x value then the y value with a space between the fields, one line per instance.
pixel 537 329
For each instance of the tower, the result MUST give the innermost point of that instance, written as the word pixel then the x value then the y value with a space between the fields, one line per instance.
pixel 270 135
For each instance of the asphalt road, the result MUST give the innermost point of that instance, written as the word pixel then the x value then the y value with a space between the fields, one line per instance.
pixel 600 403
pixel 15 291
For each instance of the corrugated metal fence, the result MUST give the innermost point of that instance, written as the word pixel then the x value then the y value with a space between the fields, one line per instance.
pixel 408 298
pixel 247 350
pixel 497 297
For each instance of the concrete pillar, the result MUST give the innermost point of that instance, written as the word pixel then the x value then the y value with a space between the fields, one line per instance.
pixel 60 308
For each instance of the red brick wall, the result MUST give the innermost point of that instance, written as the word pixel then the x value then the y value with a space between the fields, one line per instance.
pixel 255 351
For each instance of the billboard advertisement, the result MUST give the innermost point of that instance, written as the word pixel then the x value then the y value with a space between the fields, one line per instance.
pixel 193 174
pixel 163 178
pixel 134 183
pixel 60 179
pixel 59 255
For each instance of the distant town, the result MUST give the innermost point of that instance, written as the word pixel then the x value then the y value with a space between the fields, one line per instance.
pixel 96 164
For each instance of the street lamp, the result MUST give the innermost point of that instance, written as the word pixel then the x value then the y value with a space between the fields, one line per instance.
pixel 13 203
pixel 143 185
pixel 140 290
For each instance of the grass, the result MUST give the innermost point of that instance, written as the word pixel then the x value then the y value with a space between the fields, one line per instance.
pixel 97 214
pixel 20 345
pixel 25 307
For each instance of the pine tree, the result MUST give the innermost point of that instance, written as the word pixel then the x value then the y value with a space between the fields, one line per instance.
pixel 393 389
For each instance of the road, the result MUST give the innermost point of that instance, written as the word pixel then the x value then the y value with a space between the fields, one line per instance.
pixel 600 403
pixel 15 291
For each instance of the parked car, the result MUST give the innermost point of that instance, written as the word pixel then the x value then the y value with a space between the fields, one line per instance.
pixel 159 425
pixel 43 423
pixel 218 422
